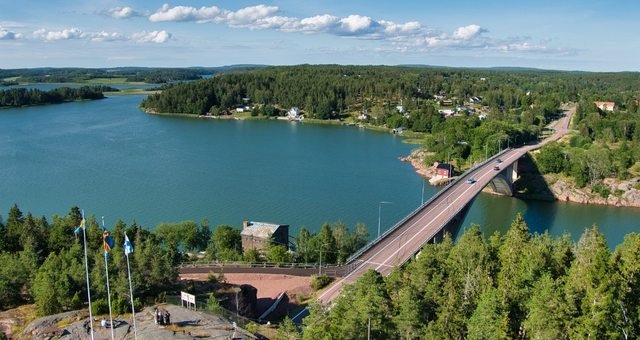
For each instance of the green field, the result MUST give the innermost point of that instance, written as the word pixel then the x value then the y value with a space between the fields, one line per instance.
pixel 121 80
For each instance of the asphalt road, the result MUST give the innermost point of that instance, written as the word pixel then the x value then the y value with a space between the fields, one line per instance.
pixel 408 239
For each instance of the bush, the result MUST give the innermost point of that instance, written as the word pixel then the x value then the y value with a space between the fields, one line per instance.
pixel 213 305
pixel 99 306
pixel 601 189
pixel 319 282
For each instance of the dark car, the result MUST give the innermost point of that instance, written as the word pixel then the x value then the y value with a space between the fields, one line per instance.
pixel 496 168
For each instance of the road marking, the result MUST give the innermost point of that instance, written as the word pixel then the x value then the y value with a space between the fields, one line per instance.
pixel 484 171
pixel 445 199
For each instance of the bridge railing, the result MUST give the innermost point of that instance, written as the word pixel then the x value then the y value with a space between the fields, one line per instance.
pixel 239 264
pixel 416 211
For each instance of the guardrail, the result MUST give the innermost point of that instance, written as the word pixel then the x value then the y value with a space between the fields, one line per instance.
pixel 416 211
pixel 248 265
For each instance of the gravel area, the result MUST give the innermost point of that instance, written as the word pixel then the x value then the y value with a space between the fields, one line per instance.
pixel 185 324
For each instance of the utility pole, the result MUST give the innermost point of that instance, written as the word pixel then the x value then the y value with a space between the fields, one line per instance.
pixel 320 266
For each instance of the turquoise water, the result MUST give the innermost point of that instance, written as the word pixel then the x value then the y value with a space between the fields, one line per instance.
pixel 113 160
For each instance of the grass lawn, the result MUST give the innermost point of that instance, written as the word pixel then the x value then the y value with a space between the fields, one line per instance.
pixel 122 80
pixel 131 91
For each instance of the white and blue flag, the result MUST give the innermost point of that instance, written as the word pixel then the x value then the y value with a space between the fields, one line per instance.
pixel 128 248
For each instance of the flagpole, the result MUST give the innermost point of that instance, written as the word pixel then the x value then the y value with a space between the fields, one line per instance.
pixel 133 310
pixel 86 270
pixel 106 270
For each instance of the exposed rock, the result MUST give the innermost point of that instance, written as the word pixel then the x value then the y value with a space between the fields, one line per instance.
pixel 623 193
pixel 551 187
pixel 416 158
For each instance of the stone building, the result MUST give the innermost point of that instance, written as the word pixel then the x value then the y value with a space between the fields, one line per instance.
pixel 259 234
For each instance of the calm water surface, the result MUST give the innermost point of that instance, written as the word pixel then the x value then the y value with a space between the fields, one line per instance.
pixel 112 160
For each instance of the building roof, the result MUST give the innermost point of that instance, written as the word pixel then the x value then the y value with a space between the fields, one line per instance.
pixel 260 229
pixel 446 166
pixel 605 104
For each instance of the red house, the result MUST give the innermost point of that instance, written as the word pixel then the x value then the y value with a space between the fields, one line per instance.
pixel 444 169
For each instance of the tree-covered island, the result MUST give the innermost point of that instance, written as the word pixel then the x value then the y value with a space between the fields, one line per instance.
pixel 18 97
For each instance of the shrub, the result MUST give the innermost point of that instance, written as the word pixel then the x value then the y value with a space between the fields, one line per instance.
pixel 319 282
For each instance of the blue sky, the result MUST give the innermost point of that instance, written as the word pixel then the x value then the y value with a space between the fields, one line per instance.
pixel 565 35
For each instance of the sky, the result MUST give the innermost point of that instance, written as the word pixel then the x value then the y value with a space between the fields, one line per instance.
pixel 587 35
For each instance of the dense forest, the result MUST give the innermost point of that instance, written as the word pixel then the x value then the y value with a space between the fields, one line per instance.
pixel 606 144
pixel 107 75
pixel 43 260
pixel 18 97
pixel 511 286
pixel 82 75
pixel 43 264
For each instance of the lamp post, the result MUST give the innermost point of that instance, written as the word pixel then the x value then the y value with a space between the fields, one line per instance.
pixel 320 266
pixel 379 212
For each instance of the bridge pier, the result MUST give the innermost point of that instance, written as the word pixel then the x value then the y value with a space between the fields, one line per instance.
pixel 453 226
pixel 503 182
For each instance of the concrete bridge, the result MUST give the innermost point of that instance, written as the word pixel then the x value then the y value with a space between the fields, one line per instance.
pixel 442 213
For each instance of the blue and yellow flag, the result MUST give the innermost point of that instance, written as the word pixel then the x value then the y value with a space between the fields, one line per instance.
pixel 80 227
pixel 107 240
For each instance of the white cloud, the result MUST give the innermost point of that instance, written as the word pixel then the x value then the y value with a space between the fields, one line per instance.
pixel 318 23
pixel 5 34
pixel 121 12
pixel 245 17
pixel 408 36
pixel 356 23
pixel 102 36
pixel 157 37
pixel 65 34
pixel 468 32
pixel 185 13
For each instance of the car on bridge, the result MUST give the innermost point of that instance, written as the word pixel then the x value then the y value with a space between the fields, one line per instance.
pixel 498 160
pixel 471 180
pixel 496 168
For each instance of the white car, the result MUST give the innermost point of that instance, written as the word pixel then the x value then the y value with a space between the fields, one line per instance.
pixel 471 180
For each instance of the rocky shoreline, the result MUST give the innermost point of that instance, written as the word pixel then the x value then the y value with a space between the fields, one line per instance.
pixel 624 193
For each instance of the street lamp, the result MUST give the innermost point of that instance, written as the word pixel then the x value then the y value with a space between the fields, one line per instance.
pixel 379 211
pixel 320 265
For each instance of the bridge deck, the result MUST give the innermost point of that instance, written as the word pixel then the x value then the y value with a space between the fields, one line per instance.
pixel 408 237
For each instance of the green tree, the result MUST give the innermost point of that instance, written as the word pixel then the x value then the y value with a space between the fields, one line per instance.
pixel 287 330
pixel 518 270
pixel 278 253
pixel 13 229
pixel 626 266
pixel 547 310
pixel 589 290
pixel 489 320
pixel 225 243
pixel 551 158
pixel 302 242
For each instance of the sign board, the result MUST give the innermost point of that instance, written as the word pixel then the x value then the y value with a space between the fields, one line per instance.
pixel 189 299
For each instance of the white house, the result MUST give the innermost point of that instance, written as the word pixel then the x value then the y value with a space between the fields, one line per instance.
pixel 293 114
pixel 447 112
pixel 606 106
pixel 363 116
